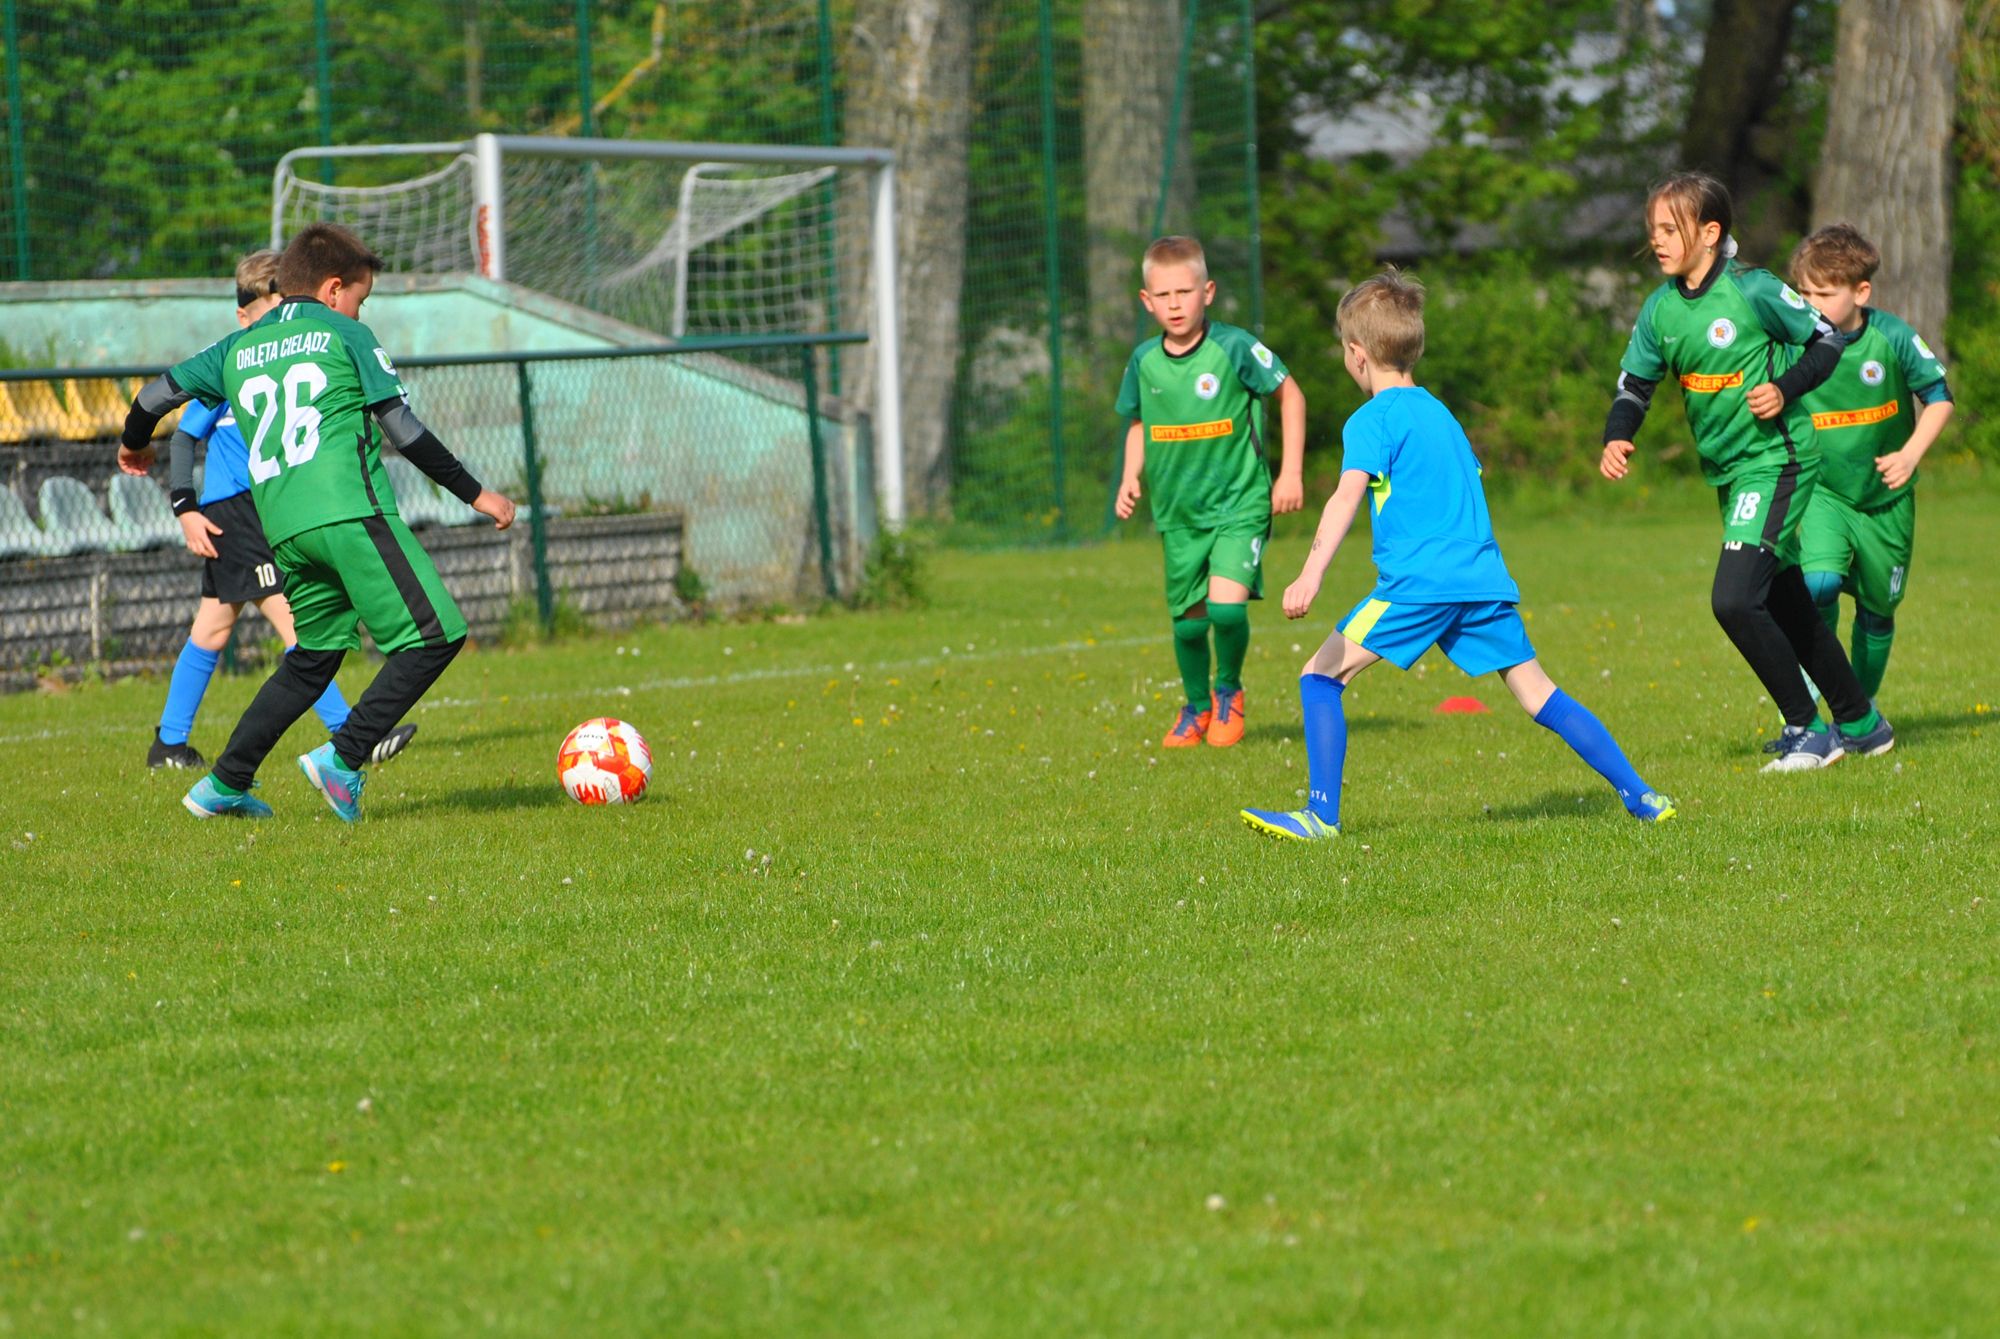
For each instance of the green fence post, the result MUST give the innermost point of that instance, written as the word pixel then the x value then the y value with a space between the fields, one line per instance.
pixel 538 536
pixel 808 375
pixel 17 151
pixel 1250 166
pixel 829 135
pixel 1052 265
pixel 323 44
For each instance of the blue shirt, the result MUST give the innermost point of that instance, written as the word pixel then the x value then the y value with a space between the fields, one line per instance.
pixel 1433 538
pixel 227 471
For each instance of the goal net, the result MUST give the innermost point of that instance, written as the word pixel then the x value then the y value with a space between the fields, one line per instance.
pixel 680 240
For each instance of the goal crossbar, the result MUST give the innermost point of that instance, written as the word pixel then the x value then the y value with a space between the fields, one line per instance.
pixel 489 235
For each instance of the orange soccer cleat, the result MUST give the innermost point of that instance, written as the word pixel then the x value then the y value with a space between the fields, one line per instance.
pixel 1187 731
pixel 1228 718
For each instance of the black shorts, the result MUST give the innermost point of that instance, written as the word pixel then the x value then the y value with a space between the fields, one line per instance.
pixel 243 568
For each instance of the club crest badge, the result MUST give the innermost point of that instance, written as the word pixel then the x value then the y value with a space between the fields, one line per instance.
pixel 1208 386
pixel 1872 373
pixel 1722 333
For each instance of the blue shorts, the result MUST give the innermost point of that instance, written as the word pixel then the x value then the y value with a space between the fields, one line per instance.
pixel 1480 637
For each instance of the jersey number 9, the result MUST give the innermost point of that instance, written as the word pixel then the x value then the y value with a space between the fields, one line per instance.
pixel 299 433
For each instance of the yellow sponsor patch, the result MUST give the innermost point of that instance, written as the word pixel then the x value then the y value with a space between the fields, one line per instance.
pixel 1709 383
pixel 1856 418
pixel 1190 432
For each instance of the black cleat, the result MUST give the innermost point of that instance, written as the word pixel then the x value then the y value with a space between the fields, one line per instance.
pixel 163 754
pixel 392 743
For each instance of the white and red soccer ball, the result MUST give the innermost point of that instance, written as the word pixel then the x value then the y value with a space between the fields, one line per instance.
pixel 604 761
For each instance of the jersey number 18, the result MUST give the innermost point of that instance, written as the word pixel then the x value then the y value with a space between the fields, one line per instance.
pixel 299 430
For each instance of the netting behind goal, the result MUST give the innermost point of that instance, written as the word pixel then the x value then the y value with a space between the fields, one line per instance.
pixel 674 245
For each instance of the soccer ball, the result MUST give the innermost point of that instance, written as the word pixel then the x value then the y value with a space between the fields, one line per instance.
pixel 604 761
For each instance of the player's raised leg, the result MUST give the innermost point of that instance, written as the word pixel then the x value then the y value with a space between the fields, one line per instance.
pixel 1573 723
pixel 1321 683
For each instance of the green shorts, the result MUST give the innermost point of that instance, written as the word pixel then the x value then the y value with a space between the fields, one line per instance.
pixel 1764 505
pixel 370 571
pixel 1870 549
pixel 1235 551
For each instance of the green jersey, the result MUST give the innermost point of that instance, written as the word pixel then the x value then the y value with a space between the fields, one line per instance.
pixel 1742 328
pixel 1202 416
pixel 301 380
pixel 1867 408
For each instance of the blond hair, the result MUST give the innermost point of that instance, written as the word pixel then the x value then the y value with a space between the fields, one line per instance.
pixel 1385 316
pixel 1174 251
pixel 256 277
pixel 1836 254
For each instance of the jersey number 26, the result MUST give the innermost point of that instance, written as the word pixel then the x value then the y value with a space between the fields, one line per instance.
pixel 289 407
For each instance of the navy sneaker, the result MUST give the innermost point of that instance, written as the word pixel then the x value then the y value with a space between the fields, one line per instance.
pixel 1804 750
pixel 1875 743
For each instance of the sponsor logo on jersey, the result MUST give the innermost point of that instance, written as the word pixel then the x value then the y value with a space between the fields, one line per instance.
pixel 1265 356
pixel 1872 373
pixel 1208 385
pixel 1701 383
pixel 1792 299
pixel 382 357
pixel 1191 432
pixel 1722 332
pixel 1923 348
pixel 291 346
pixel 1856 418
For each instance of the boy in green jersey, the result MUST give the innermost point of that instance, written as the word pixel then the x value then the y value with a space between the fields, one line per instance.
pixel 316 394
pixel 1194 396
pixel 1876 416
pixel 1746 348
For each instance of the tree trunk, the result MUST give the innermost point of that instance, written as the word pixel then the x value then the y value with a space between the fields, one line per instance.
pixel 908 71
pixel 1736 86
pixel 1131 62
pixel 1885 165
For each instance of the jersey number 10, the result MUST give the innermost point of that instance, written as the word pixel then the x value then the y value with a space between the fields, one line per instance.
pixel 260 396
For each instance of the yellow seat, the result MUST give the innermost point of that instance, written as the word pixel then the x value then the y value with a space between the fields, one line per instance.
pixel 105 401
pixel 14 426
pixel 36 402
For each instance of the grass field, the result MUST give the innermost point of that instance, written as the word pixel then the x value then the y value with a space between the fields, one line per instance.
pixel 924 995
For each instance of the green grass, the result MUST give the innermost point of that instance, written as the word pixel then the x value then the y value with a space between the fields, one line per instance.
pixel 1014 994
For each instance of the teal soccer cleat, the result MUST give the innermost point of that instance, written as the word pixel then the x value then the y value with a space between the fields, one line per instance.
pixel 334 779
pixel 1300 825
pixel 207 800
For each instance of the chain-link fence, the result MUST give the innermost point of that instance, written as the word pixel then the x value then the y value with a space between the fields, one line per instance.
pixel 140 142
pixel 649 480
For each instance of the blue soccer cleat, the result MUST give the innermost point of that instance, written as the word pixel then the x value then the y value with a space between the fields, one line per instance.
pixel 1653 808
pixel 1803 750
pixel 334 779
pixel 1873 744
pixel 208 800
pixel 1300 825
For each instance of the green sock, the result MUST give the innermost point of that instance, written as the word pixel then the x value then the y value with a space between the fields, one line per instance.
pixel 1232 643
pixel 1873 636
pixel 1191 654
pixel 1862 726
pixel 222 785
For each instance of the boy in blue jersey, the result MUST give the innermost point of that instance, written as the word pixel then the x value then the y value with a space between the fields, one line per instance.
pixel 222 527
pixel 1440 577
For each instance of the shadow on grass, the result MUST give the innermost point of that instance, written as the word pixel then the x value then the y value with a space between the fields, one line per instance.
pixel 1915 726
pixel 495 799
pixel 486 734
pixel 1271 732
pixel 1557 804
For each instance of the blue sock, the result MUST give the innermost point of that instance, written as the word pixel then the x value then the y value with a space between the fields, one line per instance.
pixel 1594 744
pixel 331 707
pixel 1326 744
pixel 184 692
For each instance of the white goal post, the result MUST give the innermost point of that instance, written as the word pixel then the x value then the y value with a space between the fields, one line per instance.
pixel 460 218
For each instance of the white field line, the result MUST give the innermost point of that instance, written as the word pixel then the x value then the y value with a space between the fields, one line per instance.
pixel 866 670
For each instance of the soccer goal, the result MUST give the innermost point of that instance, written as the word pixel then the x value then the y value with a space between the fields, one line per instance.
pixel 683 240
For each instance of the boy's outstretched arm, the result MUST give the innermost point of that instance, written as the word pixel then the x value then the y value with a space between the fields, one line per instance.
pixel 421 448
pixel 1289 492
pixel 1135 463
pixel 155 400
pixel 1334 523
